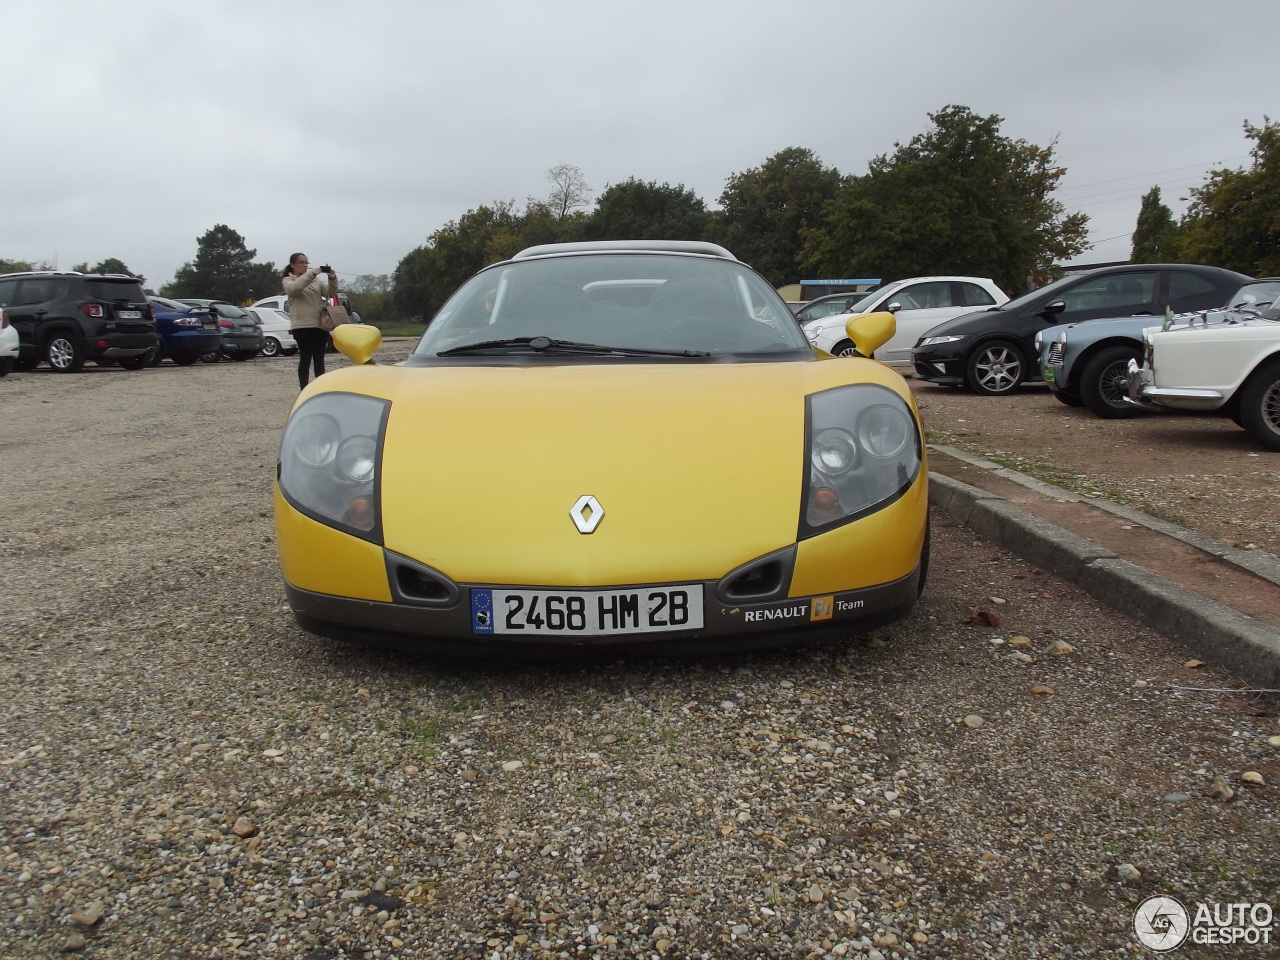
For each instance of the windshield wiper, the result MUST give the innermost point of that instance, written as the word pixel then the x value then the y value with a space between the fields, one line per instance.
pixel 543 344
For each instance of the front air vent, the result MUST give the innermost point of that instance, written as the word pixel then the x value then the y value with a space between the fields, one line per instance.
pixel 416 583
pixel 766 578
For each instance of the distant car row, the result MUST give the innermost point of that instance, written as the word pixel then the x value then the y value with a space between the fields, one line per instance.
pixel 65 318
pixel 1093 336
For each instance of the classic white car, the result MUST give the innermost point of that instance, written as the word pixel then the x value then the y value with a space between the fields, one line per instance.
pixel 917 303
pixel 1232 367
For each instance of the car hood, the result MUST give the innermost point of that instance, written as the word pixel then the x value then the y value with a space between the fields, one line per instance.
pixel 974 322
pixel 697 467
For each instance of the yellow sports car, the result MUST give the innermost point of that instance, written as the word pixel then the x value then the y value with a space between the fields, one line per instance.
pixel 624 443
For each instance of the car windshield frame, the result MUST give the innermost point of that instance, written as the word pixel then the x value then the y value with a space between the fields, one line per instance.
pixel 597 306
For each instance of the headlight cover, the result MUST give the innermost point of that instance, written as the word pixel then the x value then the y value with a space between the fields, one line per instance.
pixel 864 451
pixel 934 341
pixel 331 459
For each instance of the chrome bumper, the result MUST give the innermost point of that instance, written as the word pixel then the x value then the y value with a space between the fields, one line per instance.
pixel 1144 393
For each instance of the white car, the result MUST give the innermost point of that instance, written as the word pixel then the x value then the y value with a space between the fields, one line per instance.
pixel 917 303
pixel 1231 367
pixel 8 343
pixel 276 338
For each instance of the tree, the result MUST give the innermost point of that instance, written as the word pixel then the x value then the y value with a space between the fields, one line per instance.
pixel 960 198
pixel 767 209
pixel 223 270
pixel 569 190
pixel 370 296
pixel 427 275
pixel 1233 220
pixel 110 265
pixel 634 210
pixel 1155 236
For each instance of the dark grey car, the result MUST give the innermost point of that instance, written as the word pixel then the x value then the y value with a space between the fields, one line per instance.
pixel 242 336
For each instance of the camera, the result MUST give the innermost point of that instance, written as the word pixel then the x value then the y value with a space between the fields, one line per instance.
pixel 326 268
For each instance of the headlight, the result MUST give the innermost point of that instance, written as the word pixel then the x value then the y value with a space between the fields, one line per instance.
pixel 1038 340
pixel 330 459
pixel 934 341
pixel 864 452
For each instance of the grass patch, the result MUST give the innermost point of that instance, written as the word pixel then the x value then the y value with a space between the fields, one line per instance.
pixel 400 329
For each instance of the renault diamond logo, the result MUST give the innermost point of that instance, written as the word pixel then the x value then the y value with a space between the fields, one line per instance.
pixel 587 514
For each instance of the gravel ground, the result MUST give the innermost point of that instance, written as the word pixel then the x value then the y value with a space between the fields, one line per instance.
pixel 187 774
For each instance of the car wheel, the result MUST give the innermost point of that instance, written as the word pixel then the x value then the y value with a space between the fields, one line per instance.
pixel 6 364
pixel 1070 399
pixel 241 355
pixel 995 368
pixel 1260 406
pixel 845 348
pixel 134 363
pixel 64 354
pixel 154 357
pixel 213 356
pixel 1104 383
pixel 270 347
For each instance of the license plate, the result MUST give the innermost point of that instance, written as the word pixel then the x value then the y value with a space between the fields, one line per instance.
pixel 570 613
pixel 129 314
pixel 211 326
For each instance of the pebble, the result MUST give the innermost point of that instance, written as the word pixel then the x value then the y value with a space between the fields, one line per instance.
pixel 973 721
pixel 1043 690
pixel 1253 777
pixel 1020 641
pixel 243 828
pixel 88 916
pixel 1220 790
pixel 1177 797
pixel 1128 873
pixel 1021 657
pixel 1060 648
pixel 511 765
pixel 1274 741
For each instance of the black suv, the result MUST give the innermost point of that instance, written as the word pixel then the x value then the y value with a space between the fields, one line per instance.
pixel 66 318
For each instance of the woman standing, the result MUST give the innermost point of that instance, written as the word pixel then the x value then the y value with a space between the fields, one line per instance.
pixel 306 300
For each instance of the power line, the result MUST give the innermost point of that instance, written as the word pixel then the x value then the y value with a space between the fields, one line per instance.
pixel 1157 173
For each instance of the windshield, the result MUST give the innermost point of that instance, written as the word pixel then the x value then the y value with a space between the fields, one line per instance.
pixel 170 304
pixel 1026 298
pixel 117 291
pixel 618 303
pixel 1260 297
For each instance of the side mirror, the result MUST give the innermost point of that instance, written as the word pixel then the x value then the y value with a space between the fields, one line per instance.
pixel 357 341
pixel 1054 308
pixel 871 331
pixel 894 307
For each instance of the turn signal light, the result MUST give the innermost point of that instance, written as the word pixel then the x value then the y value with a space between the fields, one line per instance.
pixel 91 309
pixel 360 513
pixel 826 502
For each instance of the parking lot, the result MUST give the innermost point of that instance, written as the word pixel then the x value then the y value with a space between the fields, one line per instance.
pixel 188 774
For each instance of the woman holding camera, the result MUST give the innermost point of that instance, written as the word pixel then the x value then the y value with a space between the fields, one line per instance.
pixel 306 300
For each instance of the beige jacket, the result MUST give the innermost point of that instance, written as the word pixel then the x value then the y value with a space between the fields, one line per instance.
pixel 306 297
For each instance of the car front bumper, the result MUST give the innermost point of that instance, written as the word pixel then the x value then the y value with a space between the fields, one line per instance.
pixel 938 367
pixel 1144 393
pixel 452 628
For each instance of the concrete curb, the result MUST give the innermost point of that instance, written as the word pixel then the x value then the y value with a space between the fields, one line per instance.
pixel 1244 646
pixel 1258 562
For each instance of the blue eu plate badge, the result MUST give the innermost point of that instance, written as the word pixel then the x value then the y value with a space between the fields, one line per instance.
pixel 482 611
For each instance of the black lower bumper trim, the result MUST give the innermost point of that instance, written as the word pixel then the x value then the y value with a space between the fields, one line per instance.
pixel 726 628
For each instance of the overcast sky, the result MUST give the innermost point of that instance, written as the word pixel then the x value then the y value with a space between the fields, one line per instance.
pixel 351 131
